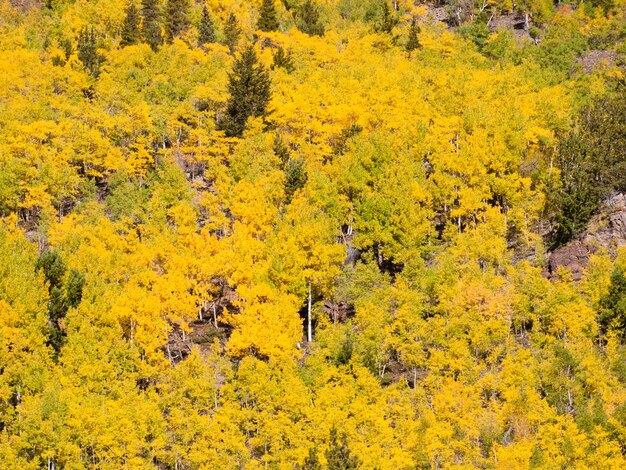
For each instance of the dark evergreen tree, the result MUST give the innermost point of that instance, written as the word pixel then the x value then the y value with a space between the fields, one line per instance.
pixel 281 151
pixel 413 42
pixel 151 24
pixel 612 315
pixel 268 20
pixel 338 454
pixel 206 29
pixel 66 45
pixel 579 194
pixel 288 4
pixel 176 18
pixel 232 32
pixel 592 160
pixel 341 143
pixel 605 5
pixel 295 177
pixel 57 307
pixel 249 88
pixel 130 27
pixel 63 293
pixel 53 268
pixel 312 461
pixel 74 288
pixel 388 19
pixel 282 59
pixel 310 19
pixel 88 51
pixel 58 61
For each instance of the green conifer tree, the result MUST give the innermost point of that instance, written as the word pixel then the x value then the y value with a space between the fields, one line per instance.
pixel 295 177
pixel 63 293
pixel 413 42
pixel 176 18
pixel 592 163
pixel 281 150
pixel 612 313
pixel 87 48
pixel 338 454
pixel 310 19
pixel 232 32
pixel 282 59
pixel 66 45
pixel 74 288
pixel 53 268
pixel 268 19
pixel 388 19
pixel 130 27
pixel 151 25
pixel 249 88
pixel 206 29
pixel 312 461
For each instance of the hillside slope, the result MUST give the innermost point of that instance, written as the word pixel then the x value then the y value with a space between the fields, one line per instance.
pixel 286 235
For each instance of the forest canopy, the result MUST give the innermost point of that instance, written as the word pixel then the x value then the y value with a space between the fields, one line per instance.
pixel 309 234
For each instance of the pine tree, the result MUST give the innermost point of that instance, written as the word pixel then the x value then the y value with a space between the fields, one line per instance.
pixel 206 29
pixel 388 19
pixel 232 32
pixel 591 163
pixel 176 18
pixel 612 313
pixel 312 461
pixel 62 295
pixel 341 143
pixel 310 20
pixel 74 288
pixel 88 51
pixel 295 177
pixel 268 20
pixel 130 26
pixel 338 454
pixel 151 26
pixel 282 59
pixel 413 42
pixel 53 268
pixel 66 45
pixel 249 88
pixel 281 150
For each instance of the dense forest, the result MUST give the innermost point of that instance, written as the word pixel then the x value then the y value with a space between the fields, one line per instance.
pixel 310 234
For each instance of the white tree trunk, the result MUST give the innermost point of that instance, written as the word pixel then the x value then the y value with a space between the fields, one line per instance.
pixel 308 318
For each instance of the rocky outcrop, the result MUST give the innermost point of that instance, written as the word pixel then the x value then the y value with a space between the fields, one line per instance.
pixel 607 229
pixel 597 59
pixel 338 311
pixel 438 14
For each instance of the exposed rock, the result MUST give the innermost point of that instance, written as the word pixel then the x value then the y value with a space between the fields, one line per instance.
pixel 201 333
pixel 438 14
pixel 209 325
pixel 607 229
pixel 352 256
pixel 573 256
pixel 507 22
pixel 26 5
pixel 338 311
pixel 597 59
